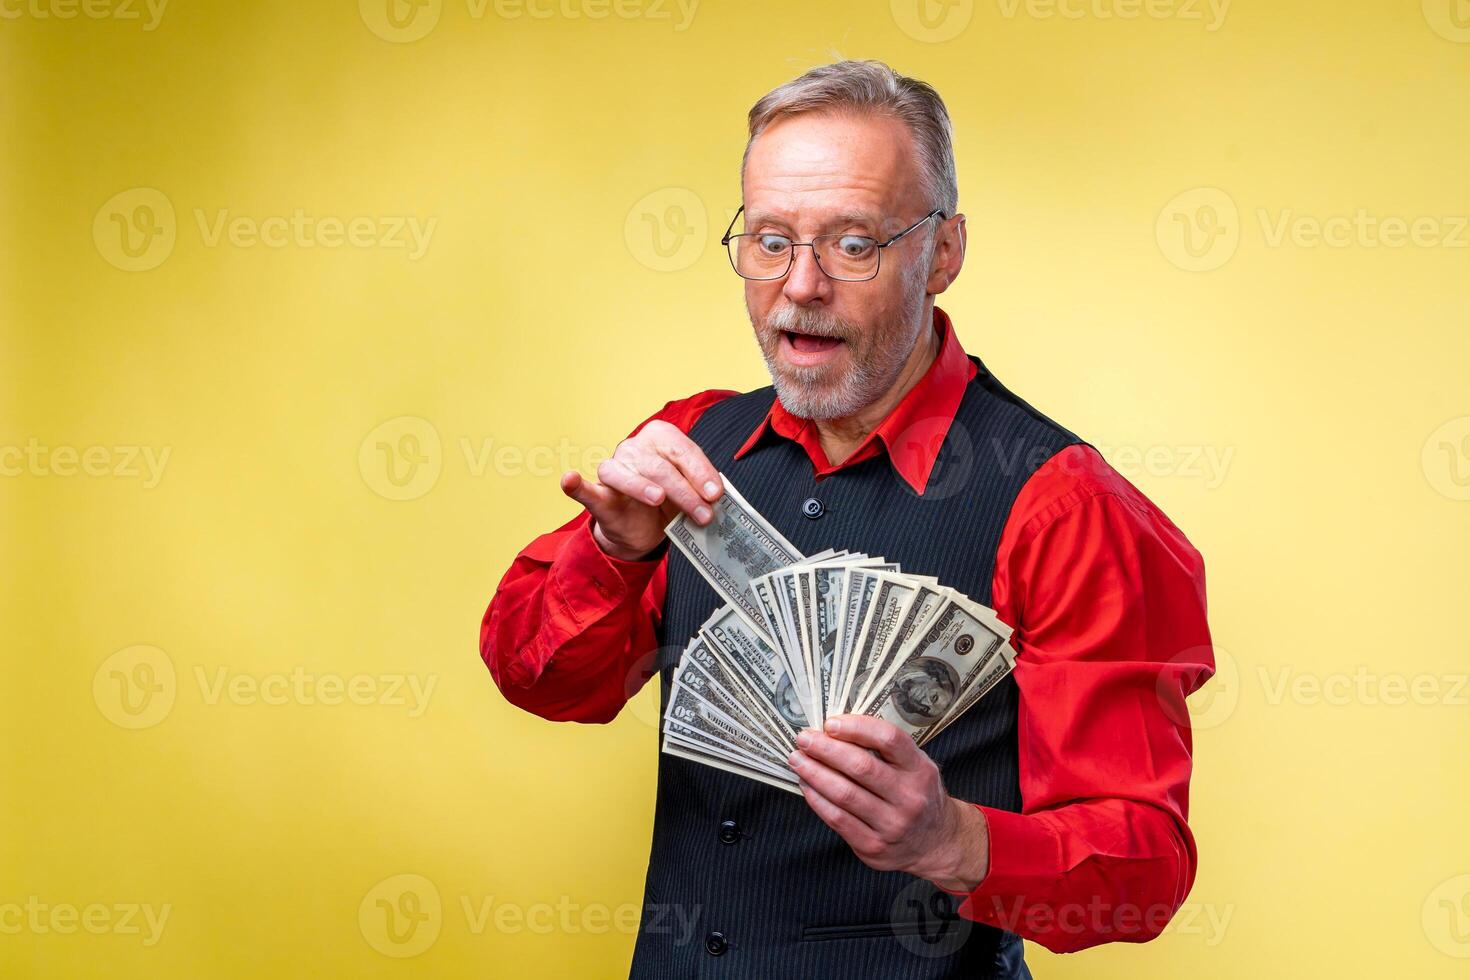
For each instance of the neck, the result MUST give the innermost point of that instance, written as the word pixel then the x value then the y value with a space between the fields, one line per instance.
pixel 840 436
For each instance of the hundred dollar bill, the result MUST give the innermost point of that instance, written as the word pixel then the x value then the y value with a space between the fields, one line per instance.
pixel 783 585
pixel 772 629
pixel 927 600
pixel 937 669
pixel 891 600
pixel 830 585
pixel 735 547
pixel 805 582
pixel 987 625
pixel 973 693
pixel 857 595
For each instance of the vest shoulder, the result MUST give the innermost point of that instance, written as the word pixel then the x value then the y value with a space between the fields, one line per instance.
pixel 1019 415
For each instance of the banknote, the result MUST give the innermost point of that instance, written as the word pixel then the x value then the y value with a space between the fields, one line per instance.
pixel 933 672
pixel 736 546
pixel 756 664
pixel 797 639
pixel 890 601
pixel 712 679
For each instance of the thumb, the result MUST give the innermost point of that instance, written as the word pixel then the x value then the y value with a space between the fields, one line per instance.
pixel 590 494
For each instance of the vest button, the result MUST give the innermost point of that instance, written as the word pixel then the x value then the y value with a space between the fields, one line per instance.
pixel 715 944
pixel 813 508
pixel 729 832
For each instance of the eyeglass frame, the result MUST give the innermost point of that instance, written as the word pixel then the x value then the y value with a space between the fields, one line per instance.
pixel 791 261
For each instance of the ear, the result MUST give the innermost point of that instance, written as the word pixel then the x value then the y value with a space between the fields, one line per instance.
pixel 949 254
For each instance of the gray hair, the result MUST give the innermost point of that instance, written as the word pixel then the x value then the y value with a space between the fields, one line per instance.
pixel 871 87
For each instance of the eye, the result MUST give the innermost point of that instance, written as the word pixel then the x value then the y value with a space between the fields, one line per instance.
pixel 773 244
pixel 854 246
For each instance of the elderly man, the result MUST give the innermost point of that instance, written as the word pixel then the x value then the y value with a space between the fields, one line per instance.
pixel 1055 809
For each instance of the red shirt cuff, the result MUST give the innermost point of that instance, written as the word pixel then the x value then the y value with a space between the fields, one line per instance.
pixel 588 583
pixel 1019 847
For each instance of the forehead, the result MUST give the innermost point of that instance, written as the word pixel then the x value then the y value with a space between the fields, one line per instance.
pixel 812 168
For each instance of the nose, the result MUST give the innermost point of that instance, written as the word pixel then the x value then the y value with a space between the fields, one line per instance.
pixel 806 282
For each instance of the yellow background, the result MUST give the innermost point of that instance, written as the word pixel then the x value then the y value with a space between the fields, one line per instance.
pixel 544 319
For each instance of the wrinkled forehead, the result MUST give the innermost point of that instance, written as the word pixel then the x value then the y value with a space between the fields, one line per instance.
pixel 812 172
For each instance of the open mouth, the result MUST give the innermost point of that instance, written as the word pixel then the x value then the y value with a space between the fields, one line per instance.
pixel 805 343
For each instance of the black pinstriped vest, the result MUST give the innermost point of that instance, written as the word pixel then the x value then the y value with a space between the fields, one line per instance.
pixel 743 879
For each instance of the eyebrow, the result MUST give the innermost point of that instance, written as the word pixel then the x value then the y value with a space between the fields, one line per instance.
pixel 840 218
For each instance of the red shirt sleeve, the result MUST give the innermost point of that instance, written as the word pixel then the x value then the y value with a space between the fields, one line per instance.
pixel 569 634
pixel 1108 600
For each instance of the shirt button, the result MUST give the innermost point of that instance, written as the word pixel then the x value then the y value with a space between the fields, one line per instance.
pixel 729 832
pixel 715 944
pixel 813 508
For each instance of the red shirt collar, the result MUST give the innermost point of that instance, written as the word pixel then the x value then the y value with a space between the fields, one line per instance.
pixel 912 433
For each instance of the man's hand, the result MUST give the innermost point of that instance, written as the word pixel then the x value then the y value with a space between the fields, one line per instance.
pixel 651 478
pixel 890 804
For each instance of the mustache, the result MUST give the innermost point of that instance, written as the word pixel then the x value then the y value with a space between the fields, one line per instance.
pixel 813 323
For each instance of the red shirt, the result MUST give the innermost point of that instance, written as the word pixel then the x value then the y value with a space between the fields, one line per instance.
pixel 1107 598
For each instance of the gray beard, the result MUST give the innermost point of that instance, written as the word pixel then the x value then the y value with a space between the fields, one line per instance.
pixel 803 395
pixel 801 390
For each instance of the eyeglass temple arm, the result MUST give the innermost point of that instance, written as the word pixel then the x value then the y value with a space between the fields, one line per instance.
pixel 939 212
pixel 725 239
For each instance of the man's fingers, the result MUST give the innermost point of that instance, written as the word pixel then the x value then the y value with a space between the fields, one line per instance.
pixel 619 476
pixel 882 737
pixel 584 491
pixel 657 469
pixel 853 761
pixel 601 502
pixel 836 787
pixel 859 836
pixel 685 454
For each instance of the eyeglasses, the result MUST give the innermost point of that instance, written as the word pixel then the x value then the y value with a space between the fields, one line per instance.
pixel 845 258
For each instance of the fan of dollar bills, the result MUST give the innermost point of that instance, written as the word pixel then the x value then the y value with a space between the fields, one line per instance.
pixel 802 638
